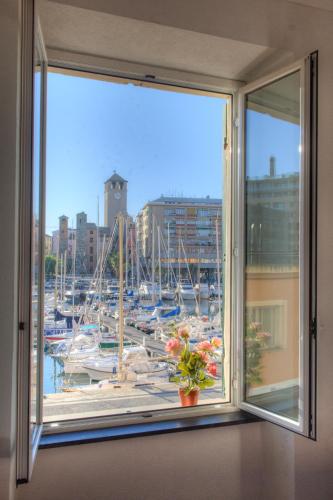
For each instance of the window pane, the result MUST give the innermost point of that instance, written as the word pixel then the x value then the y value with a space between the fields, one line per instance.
pixel 35 239
pixel 155 155
pixel 272 253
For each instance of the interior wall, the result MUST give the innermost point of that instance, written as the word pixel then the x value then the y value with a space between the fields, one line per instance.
pixel 9 72
pixel 253 461
pixel 215 463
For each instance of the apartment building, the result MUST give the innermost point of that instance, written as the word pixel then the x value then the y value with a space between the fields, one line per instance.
pixel 186 229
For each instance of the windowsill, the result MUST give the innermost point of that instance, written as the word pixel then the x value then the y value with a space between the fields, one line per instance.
pixel 146 429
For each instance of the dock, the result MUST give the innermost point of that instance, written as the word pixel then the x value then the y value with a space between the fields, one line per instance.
pixel 155 347
pixel 118 398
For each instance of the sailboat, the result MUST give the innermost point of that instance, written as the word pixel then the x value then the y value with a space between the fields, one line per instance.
pixel 167 293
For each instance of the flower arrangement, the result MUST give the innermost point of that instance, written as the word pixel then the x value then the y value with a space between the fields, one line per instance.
pixel 195 368
pixel 255 340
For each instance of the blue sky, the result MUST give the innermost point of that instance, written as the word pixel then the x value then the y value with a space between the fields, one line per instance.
pixel 160 142
pixel 268 136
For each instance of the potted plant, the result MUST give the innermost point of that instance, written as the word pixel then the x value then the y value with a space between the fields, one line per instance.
pixel 195 368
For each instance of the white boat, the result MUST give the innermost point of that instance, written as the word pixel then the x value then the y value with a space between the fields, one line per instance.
pixel 100 368
pixel 202 290
pixel 147 290
pixel 216 290
pixel 168 294
pixel 108 369
pixel 185 290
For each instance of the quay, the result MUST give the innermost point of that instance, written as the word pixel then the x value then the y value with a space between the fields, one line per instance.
pixel 118 398
pixel 154 346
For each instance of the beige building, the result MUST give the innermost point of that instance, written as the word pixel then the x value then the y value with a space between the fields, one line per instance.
pixel 48 244
pixel 63 234
pixel 187 228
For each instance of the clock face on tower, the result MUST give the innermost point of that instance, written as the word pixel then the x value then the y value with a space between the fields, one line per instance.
pixel 117 196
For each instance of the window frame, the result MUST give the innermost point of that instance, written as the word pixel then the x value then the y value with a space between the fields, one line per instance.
pixel 307 287
pixel 29 435
pixel 178 79
pixel 202 409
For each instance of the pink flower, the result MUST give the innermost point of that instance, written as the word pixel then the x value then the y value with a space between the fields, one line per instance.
pixel 205 346
pixel 212 369
pixel 184 332
pixel 263 335
pixel 254 325
pixel 204 356
pixel 216 342
pixel 173 346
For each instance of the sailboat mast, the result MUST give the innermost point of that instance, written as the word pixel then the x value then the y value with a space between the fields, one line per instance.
pixel 132 258
pixel 179 260
pixel 73 283
pixel 61 260
pixel 101 258
pixel 126 254
pixel 168 253
pixel 97 235
pixel 218 265
pixel 65 272
pixel 121 297
pixel 56 279
pixel 159 261
pixel 137 259
pixel 153 260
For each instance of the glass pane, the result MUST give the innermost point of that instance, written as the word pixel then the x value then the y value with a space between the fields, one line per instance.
pixel 35 239
pixel 154 155
pixel 272 257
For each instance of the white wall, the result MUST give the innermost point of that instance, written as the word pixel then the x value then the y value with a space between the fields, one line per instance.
pixel 217 463
pixel 253 461
pixel 8 223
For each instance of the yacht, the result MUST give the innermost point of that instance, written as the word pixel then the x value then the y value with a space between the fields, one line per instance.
pixel 185 290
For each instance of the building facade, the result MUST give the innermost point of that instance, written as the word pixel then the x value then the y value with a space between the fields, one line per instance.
pixel 48 244
pixel 185 232
pixel 115 199
pixel 272 218
pixel 63 234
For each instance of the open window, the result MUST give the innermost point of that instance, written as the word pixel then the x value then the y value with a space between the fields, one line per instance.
pixel 276 242
pixel 240 260
pixel 31 275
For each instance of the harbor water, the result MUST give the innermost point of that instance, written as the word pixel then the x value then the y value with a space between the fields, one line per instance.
pixel 55 379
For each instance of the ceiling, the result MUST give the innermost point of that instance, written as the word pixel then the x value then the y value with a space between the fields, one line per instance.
pixel 318 4
pixel 95 33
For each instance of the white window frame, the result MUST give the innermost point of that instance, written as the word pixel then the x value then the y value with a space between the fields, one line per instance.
pixel 232 246
pixel 29 434
pixel 179 86
pixel 307 285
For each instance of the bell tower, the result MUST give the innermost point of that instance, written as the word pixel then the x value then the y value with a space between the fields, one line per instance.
pixel 115 199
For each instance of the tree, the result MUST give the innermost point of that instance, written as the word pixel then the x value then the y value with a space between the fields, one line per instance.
pixel 50 265
pixel 113 263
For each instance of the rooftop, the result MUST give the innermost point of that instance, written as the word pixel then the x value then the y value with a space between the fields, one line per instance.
pixel 115 178
pixel 173 200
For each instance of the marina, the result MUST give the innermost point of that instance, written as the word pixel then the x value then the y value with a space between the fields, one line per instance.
pixel 105 344
pixel 108 320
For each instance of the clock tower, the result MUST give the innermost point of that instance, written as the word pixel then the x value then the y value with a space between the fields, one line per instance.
pixel 115 199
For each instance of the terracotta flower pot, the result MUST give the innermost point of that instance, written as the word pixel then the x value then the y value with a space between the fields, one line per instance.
pixel 190 399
